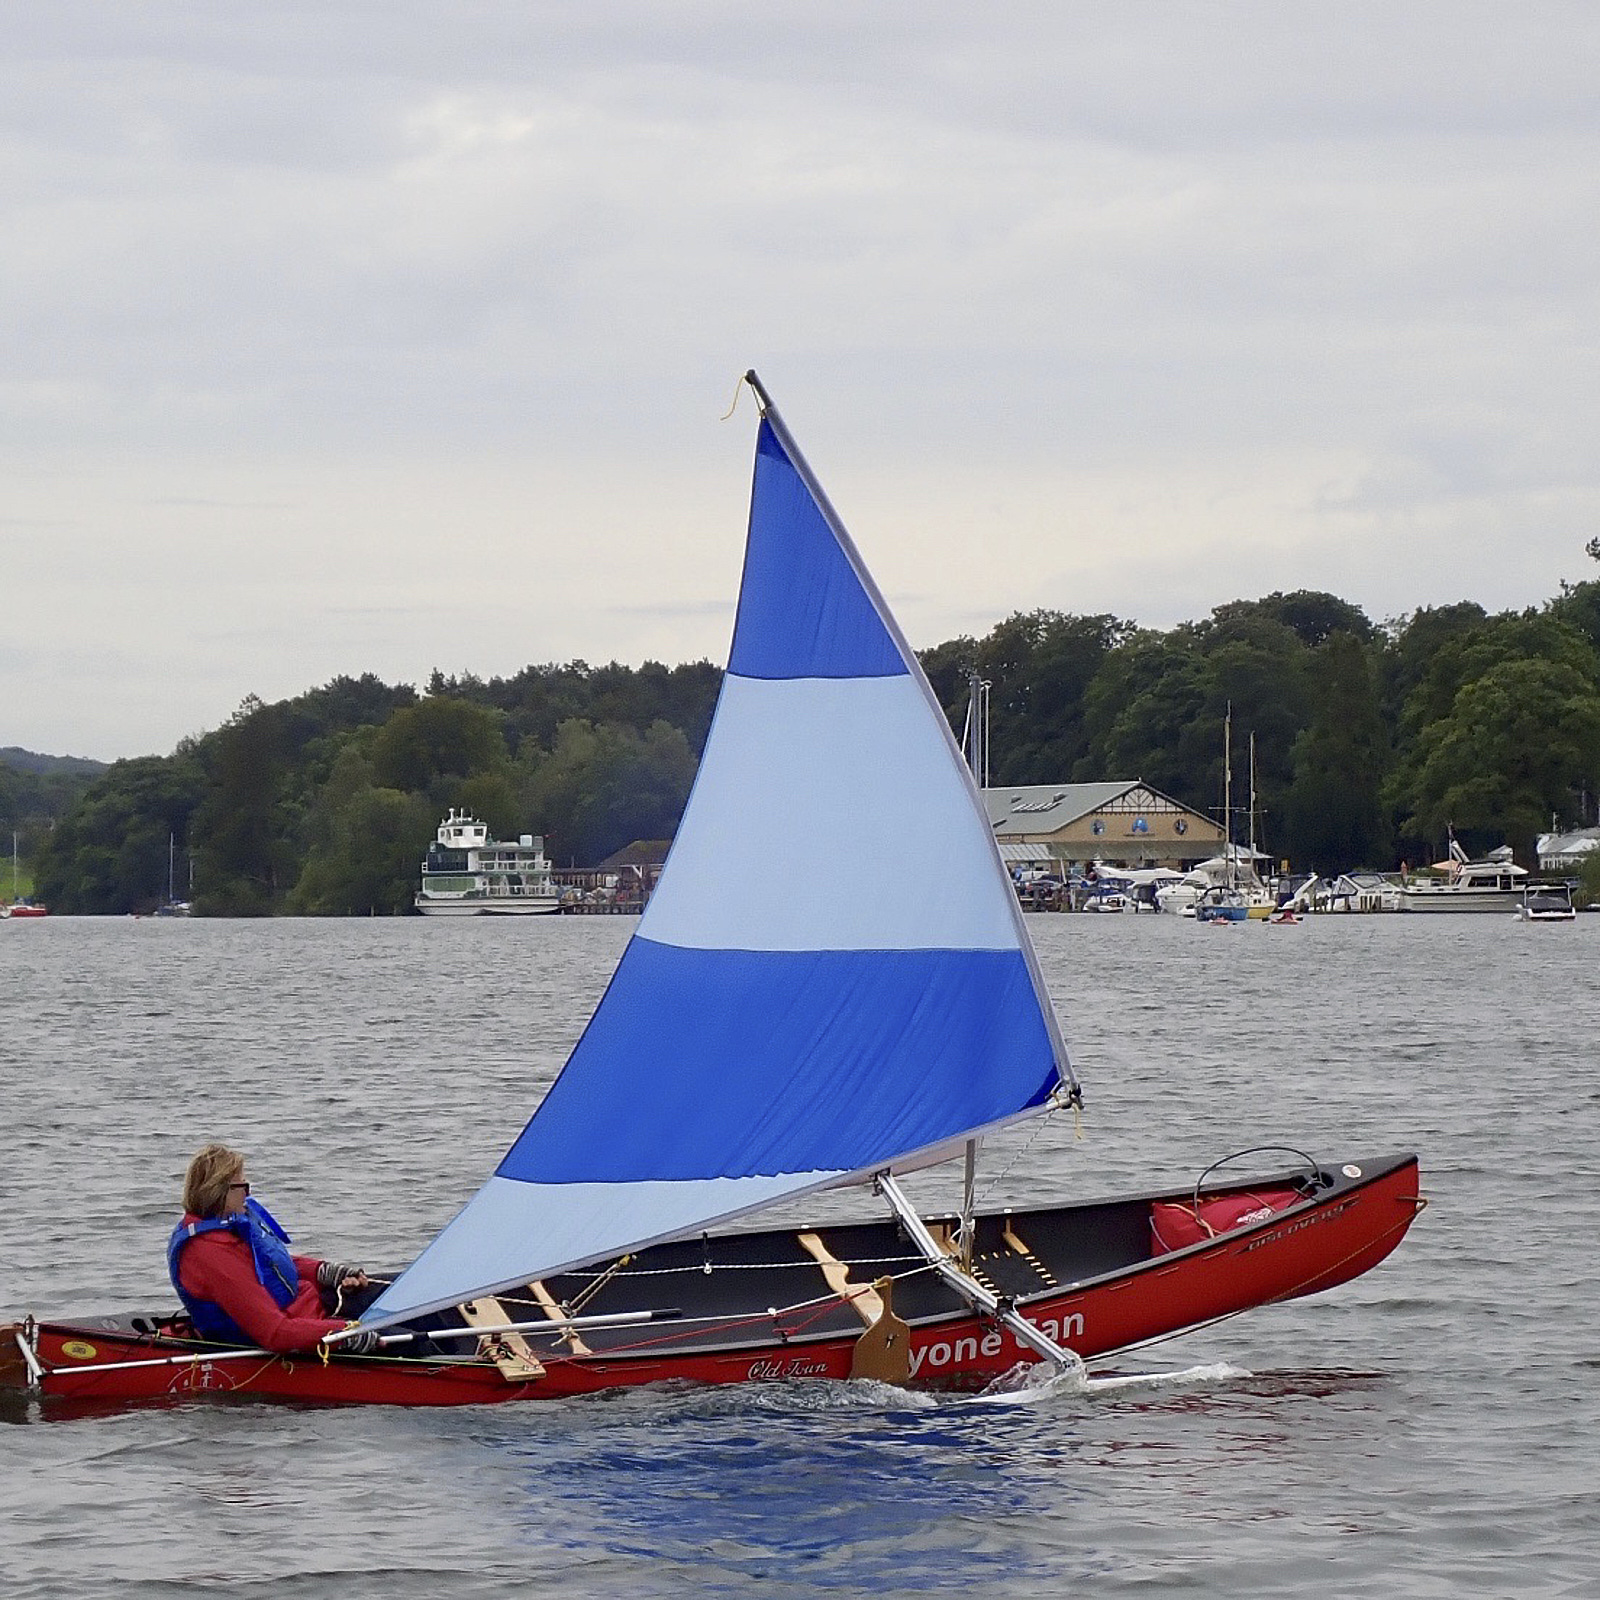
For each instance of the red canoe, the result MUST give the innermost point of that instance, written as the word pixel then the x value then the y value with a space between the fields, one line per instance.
pixel 1099 1277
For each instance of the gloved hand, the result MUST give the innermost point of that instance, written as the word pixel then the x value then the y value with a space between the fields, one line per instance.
pixel 334 1275
pixel 365 1343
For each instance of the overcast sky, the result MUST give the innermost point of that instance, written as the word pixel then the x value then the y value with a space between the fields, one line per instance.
pixel 347 337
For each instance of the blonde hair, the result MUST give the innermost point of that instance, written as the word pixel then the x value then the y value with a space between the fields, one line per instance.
pixel 205 1185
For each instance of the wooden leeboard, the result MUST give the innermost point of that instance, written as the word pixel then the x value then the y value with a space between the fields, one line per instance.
pixel 14 1371
pixel 510 1352
pixel 866 1303
pixel 883 1352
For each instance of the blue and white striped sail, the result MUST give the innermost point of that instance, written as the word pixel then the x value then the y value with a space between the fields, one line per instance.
pixel 832 977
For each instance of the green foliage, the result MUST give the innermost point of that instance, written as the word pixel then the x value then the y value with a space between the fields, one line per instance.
pixel 244 826
pixel 1312 616
pixel 603 787
pixel 1152 713
pixel 367 862
pixel 443 737
pixel 110 853
pixel 1455 733
pixel 1588 891
pixel 540 698
pixel 1367 741
pixel 1335 813
pixel 1516 743
pixel 35 793
pixel 1040 665
pixel 325 804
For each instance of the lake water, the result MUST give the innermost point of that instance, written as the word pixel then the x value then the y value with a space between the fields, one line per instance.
pixel 1432 1429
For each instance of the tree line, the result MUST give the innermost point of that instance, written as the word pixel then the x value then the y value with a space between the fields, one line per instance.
pixel 1371 740
pixel 324 804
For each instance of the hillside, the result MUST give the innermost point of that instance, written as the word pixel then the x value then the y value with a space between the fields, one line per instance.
pixel 31 761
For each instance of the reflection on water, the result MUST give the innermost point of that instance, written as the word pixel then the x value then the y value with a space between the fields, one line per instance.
pixel 757 1485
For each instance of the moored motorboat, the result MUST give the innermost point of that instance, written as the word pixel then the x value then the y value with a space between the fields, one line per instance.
pixel 1547 902
pixel 1494 883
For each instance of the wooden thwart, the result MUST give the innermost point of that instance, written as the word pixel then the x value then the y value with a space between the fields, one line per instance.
pixel 863 1301
pixel 552 1309
pixel 1016 1246
pixel 510 1352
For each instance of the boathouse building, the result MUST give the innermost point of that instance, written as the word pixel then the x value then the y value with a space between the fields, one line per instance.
pixel 1126 824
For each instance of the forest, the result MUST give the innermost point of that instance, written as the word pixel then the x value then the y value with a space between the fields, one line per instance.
pixel 1371 739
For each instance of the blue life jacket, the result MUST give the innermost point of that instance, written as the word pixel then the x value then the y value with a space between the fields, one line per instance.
pixel 269 1249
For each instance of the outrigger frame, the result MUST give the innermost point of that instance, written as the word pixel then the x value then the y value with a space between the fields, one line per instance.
pixel 982 1300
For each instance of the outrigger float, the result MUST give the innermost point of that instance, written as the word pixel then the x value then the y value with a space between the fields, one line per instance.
pixel 761 1041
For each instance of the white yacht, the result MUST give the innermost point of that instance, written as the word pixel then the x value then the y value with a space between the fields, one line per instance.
pixel 1493 883
pixel 468 874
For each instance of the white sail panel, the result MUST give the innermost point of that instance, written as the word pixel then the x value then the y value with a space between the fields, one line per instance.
pixel 564 1225
pixel 828 815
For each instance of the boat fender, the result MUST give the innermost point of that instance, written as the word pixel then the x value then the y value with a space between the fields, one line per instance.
pixel 269 1249
pixel 1175 1225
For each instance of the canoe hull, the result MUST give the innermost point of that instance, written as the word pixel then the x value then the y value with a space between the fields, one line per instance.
pixel 1318 1242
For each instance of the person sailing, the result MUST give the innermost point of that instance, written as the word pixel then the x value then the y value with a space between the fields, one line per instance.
pixel 231 1265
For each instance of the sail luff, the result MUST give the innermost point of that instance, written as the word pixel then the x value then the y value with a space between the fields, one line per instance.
pixel 836 524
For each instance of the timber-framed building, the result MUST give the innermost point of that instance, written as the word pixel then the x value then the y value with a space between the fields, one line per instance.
pixel 1126 824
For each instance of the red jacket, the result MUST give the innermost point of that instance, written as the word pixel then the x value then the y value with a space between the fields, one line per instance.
pixel 218 1267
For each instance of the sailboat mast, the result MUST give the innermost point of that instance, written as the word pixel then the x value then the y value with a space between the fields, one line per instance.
pixel 1227 793
pixel 1252 800
pixel 977 753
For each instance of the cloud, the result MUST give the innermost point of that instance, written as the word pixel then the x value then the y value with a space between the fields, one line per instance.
pixel 423 314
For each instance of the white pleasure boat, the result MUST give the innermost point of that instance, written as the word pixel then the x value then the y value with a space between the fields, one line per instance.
pixel 468 874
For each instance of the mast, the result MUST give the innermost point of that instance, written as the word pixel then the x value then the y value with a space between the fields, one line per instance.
pixel 975 736
pixel 1227 795
pixel 976 748
pixel 1252 803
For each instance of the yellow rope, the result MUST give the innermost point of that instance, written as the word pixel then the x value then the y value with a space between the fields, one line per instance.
pixel 738 389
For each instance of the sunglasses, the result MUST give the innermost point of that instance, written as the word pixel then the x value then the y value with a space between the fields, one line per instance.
pixel 244 1186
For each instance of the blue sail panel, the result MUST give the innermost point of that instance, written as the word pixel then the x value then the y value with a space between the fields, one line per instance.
pixel 735 1063
pixel 803 611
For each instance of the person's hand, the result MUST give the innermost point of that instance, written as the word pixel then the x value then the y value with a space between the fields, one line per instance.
pixel 365 1343
pixel 337 1275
